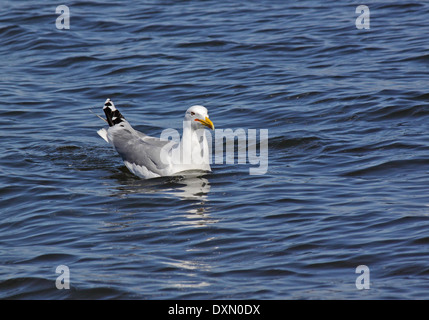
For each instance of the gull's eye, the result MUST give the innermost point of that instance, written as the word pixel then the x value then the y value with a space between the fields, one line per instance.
pixel 192 113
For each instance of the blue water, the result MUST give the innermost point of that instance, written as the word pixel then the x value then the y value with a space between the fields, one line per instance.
pixel 347 184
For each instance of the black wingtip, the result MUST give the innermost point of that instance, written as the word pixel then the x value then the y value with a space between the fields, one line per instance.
pixel 113 115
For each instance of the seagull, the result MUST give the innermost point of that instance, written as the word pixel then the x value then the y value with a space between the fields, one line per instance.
pixel 150 157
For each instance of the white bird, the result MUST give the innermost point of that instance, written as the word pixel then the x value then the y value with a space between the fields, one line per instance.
pixel 150 157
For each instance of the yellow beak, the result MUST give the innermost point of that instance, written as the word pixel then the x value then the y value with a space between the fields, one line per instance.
pixel 207 122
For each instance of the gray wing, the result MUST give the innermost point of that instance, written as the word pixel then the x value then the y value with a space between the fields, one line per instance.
pixel 138 148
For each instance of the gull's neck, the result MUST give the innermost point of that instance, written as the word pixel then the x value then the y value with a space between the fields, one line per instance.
pixel 194 147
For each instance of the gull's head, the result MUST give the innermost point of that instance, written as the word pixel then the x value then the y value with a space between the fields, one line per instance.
pixel 198 115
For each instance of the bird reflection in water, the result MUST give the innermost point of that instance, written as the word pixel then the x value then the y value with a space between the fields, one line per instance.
pixel 189 185
pixel 192 186
pixel 195 188
pixel 187 197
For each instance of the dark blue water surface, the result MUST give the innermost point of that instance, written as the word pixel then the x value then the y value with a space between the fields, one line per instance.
pixel 347 184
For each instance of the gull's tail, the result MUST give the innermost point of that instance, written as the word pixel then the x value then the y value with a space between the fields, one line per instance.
pixel 113 115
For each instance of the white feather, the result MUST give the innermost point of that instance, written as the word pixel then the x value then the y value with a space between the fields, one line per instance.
pixel 103 133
